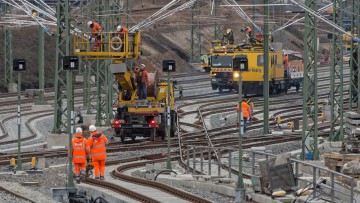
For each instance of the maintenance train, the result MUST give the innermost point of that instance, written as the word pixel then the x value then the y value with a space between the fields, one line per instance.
pixel 281 77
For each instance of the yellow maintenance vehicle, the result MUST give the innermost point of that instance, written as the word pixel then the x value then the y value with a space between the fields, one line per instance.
pixel 134 117
pixel 223 77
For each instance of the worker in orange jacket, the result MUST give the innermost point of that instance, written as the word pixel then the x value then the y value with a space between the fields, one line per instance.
pixel 96 147
pixel 142 81
pixel 96 34
pixel 248 30
pixel 121 30
pixel 246 111
pixel 286 60
pixel 78 145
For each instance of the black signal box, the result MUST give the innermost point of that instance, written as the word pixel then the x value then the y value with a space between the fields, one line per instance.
pixel 71 63
pixel 240 64
pixel 169 66
pixel 19 65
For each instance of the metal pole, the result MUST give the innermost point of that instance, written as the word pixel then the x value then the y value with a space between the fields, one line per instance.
pixel 19 123
pixel 41 99
pixel 310 95
pixel 70 176
pixel 8 50
pixel 240 190
pixel 266 68
pixel 168 128
pixel 336 73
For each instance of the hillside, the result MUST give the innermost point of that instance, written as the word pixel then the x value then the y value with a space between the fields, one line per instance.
pixel 168 39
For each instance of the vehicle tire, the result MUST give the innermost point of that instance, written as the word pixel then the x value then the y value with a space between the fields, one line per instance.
pixel 122 138
pixel 214 87
pixel 220 90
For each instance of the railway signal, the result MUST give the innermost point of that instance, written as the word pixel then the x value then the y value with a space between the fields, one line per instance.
pixel 19 65
pixel 168 66
pixel 240 64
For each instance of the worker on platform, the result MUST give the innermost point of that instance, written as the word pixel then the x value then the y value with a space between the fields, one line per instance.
pixel 78 145
pixel 142 81
pixel 121 30
pixel 247 30
pixel 96 148
pixel 246 111
pixel 286 60
pixel 96 34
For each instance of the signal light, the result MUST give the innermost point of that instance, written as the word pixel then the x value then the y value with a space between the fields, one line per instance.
pixel 34 12
pixel 116 124
pixel 153 124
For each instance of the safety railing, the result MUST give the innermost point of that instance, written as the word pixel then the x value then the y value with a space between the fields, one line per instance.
pixel 196 160
pixel 107 46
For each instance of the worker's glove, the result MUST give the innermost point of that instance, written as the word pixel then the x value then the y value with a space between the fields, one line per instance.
pixel 242 30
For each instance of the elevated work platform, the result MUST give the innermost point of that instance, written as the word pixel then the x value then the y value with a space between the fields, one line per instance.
pixel 108 46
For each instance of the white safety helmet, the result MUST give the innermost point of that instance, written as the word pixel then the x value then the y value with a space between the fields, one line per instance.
pixel 118 28
pixel 89 23
pixel 79 130
pixel 92 128
pixel 143 65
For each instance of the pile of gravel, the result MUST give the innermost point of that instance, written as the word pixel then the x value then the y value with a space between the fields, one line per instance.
pixel 51 178
pixel 8 198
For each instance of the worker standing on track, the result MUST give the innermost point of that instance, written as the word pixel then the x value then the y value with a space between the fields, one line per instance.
pixel 96 147
pixel 96 34
pixel 142 80
pixel 246 111
pixel 78 145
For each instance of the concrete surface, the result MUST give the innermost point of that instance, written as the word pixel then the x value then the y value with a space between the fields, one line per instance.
pixel 41 107
pixel 12 87
pixel 54 140
pixel 89 119
pixel 109 195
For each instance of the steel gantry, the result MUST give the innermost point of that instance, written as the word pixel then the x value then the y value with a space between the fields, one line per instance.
pixel 41 100
pixel 62 113
pixel 8 50
pixel 104 105
pixel 336 75
pixel 310 95
pixel 354 89
pixel 195 50
pixel 266 90
pixel 90 70
pixel 217 13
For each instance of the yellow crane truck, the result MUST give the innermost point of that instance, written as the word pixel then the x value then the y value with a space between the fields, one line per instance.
pixel 146 117
pixel 223 77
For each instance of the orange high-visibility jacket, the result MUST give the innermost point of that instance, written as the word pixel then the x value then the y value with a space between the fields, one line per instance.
pixel 248 29
pixel 78 145
pixel 124 30
pixel 96 30
pixel 96 146
pixel 245 109
pixel 143 75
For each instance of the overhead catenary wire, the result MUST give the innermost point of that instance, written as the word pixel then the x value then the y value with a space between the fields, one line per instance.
pixel 300 19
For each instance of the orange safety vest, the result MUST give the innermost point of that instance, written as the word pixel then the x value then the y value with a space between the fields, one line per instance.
pixel 96 146
pixel 143 75
pixel 96 29
pixel 79 148
pixel 245 109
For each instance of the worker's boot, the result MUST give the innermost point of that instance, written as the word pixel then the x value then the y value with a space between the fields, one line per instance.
pixel 97 177
pixel 77 179
pixel 102 178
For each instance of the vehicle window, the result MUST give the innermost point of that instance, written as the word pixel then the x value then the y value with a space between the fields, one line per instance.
pixel 221 61
pixel 260 60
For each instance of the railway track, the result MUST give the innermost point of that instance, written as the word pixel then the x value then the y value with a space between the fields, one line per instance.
pixel 15 194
